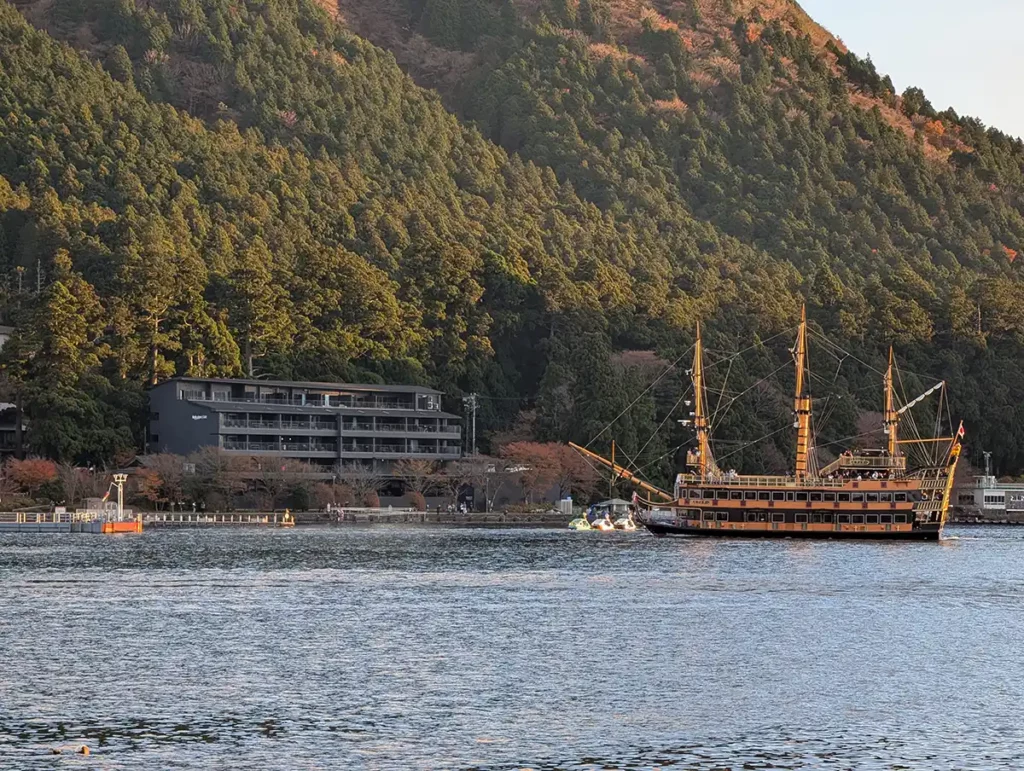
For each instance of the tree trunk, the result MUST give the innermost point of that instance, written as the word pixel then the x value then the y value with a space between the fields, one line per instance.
pixel 248 356
pixel 154 354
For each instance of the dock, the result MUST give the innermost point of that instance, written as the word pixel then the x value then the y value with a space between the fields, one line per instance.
pixel 183 520
pixel 355 516
pixel 87 521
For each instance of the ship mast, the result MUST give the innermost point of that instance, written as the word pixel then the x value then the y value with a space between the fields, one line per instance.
pixel 703 460
pixel 802 401
pixel 892 417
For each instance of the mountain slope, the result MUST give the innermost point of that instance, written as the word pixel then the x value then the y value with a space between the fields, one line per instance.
pixel 748 117
pixel 325 217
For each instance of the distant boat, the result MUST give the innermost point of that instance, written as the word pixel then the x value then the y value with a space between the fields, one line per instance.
pixel 603 525
pixel 625 523
pixel 864 493
pixel 580 523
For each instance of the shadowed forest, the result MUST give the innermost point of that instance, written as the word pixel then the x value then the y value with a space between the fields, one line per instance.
pixel 530 201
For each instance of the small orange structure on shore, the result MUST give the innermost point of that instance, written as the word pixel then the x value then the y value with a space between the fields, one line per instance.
pixel 99 517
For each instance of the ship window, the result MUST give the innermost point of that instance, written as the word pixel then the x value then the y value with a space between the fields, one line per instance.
pixel 858 519
pixel 723 516
pixel 763 496
pixel 801 496
pixel 736 495
pixel 844 519
pixel 900 497
pixel 844 497
pixel 778 496
pixel 709 516
pixel 857 497
pixel 885 497
pixel 872 519
pixel 815 496
pixel 900 519
pixel 762 516
pixel 872 497
pixel 826 517
pixel 751 517
pixel 815 517
pixel 750 496
pixel 801 518
pixel 696 494
pixel 722 495
pixel 829 497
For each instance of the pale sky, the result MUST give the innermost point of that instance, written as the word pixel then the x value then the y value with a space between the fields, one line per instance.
pixel 964 55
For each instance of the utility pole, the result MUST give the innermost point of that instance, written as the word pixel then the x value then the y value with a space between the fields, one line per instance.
pixel 471 403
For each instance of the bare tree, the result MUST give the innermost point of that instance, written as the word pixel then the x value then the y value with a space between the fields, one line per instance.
pixel 273 476
pixel 73 481
pixel 486 475
pixel 417 474
pixel 362 481
pixel 166 477
pixel 214 471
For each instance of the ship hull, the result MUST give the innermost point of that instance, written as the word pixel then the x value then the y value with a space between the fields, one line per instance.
pixel 929 533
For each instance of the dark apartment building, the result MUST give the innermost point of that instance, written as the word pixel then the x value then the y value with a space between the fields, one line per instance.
pixel 331 424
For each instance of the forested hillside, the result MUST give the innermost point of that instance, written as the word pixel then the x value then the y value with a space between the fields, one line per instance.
pixel 214 187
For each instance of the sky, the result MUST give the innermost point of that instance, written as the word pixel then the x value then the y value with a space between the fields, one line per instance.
pixel 964 55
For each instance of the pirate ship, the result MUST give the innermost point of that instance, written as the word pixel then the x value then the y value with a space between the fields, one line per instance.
pixel 871 493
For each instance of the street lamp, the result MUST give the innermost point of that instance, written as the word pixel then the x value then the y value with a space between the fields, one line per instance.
pixel 119 480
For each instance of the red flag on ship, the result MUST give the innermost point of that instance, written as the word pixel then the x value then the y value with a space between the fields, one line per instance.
pixel 636 499
pixel 960 432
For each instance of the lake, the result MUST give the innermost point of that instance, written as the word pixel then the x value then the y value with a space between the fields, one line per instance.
pixel 440 648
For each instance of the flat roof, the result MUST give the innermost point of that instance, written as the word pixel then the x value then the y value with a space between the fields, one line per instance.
pixel 305 384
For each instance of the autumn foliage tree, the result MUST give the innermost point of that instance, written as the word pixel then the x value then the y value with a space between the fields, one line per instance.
pixel 32 474
pixel 541 466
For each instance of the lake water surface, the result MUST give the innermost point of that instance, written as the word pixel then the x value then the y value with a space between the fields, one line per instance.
pixel 431 648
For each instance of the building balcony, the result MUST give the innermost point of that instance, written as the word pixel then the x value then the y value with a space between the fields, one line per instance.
pixel 422 452
pixel 322 402
pixel 368 428
pixel 285 424
pixel 281 447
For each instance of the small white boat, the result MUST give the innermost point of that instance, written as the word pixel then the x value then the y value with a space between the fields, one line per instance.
pixel 580 523
pixel 625 523
pixel 603 525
